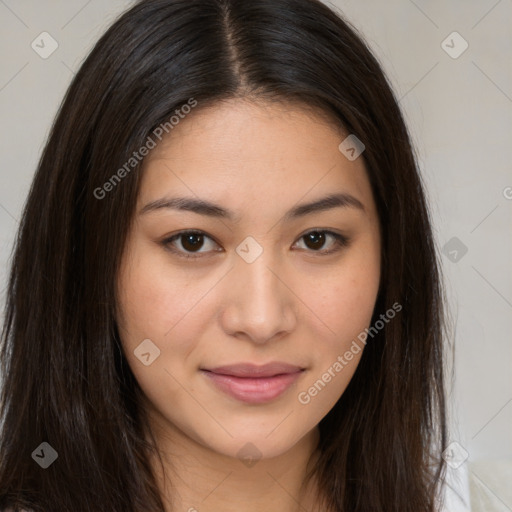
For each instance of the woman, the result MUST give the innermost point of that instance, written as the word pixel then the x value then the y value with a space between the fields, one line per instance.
pixel 225 292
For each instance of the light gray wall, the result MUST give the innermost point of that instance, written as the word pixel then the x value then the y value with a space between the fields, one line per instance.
pixel 460 115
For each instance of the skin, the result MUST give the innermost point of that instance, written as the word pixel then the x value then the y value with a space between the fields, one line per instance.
pixel 292 304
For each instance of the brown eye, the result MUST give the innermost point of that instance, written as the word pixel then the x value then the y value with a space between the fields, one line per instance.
pixel 190 243
pixel 315 241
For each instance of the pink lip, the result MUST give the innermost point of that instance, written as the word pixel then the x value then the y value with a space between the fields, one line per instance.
pixel 254 384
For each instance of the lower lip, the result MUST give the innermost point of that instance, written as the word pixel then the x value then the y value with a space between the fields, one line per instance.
pixel 253 390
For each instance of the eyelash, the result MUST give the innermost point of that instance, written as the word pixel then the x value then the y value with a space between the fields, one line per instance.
pixel 341 241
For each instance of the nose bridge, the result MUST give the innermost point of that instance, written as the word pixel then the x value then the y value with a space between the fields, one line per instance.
pixel 260 282
pixel 260 305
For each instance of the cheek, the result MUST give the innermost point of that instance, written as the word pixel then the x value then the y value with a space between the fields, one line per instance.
pixel 345 307
pixel 348 297
pixel 155 305
pixel 156 302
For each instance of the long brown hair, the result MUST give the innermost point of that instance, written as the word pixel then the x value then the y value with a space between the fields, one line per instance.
pixel 66 380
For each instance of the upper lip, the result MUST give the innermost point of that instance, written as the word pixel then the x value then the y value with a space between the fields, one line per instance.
pixel 252 370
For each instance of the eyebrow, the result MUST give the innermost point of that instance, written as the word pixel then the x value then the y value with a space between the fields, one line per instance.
pixel 203 207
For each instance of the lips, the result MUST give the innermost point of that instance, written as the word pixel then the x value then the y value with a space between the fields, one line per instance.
pixel 254 384
pixel 251 370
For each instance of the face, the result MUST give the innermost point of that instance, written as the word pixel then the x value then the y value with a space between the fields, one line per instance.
pixel 273 290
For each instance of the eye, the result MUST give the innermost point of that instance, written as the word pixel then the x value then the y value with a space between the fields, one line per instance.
pixel 190 242
pixel 316 239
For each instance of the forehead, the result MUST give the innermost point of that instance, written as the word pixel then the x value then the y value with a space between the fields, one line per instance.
pixel 248 128
pixel 250 153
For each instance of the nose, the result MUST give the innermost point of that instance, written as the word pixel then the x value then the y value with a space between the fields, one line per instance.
pixel 259 303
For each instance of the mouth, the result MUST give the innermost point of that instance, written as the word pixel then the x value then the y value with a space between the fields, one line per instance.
pixel 254 384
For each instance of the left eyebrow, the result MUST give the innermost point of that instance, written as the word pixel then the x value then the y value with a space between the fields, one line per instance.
pixel 323 204
pixel 203 207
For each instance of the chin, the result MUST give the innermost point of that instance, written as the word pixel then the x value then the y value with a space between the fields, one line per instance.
pixel 252 446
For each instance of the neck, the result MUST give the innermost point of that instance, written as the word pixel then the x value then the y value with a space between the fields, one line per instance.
pixel 192 477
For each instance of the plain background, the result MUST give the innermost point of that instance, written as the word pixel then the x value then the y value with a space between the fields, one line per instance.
pixel 459 112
